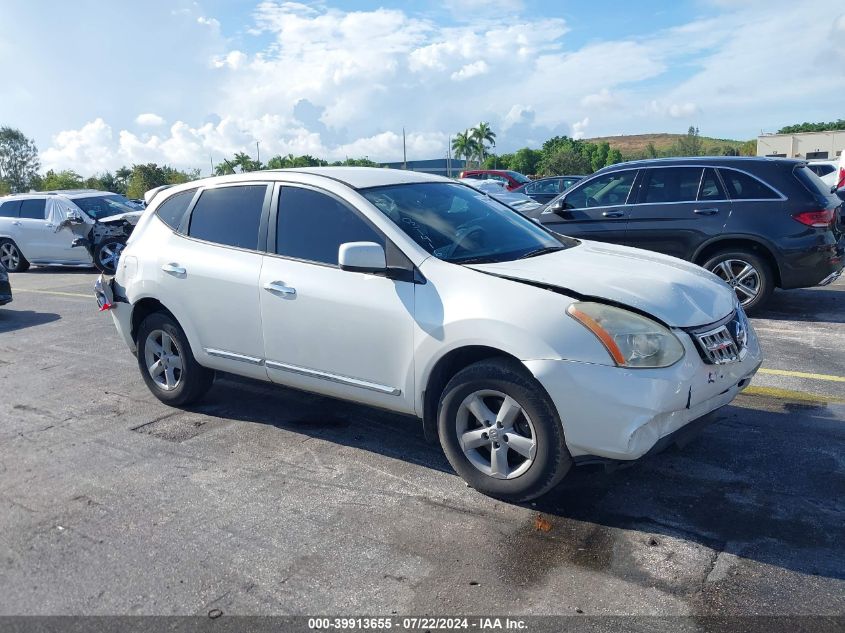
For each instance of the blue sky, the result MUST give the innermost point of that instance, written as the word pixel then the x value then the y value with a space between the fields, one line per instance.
pixel 102 84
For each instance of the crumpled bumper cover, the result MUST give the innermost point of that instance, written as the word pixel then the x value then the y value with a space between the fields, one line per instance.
pixel 621 414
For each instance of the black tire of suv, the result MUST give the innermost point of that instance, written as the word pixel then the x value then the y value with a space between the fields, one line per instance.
pixel 552 459
pixel 767 278
pixel 23 264
pixel 103 268
pixel 195 380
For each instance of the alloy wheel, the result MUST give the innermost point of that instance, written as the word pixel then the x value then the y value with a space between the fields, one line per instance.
pixel 164 360
pixel 10 257
pixel 495 434
pixel 740 275
pixel 109 254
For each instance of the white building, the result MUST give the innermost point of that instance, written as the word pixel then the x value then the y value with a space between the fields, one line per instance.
pixel 808 145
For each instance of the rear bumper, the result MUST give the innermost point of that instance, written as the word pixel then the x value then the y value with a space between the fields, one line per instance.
pixel 814 264
pixel 118 308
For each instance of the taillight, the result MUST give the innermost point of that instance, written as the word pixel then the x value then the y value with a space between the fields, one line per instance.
pixel 817 219
pixel 841 180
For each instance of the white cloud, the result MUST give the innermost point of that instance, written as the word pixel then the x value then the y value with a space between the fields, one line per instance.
pixel 149 119
pixel 471 70
pixel 366 74
pixel 579 128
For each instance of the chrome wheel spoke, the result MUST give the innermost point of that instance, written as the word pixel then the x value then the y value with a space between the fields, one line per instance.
pixel 474 439
pixel 499 461
pixel 750 293
pixel 522 445
pixel 170 377
pixel 175 362
pixel 508 413
pixel 481 411
pixel 745 273
pixel 164 360
pixel 156 369
pixel 727 274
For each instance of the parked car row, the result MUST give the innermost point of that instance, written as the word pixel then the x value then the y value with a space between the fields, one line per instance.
pixel 758 223
pixel 523 351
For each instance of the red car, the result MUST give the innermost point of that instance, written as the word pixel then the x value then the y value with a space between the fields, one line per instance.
pixel 512 179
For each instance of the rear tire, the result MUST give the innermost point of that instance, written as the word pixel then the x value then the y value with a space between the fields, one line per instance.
pixel 12 258
pixel 167 364
pixel 513 455
pixel 747 273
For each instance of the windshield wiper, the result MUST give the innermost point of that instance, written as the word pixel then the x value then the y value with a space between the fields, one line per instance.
pixel 541 251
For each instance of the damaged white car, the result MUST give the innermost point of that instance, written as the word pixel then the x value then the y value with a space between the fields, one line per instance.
pixel 524 352
pixel 68 228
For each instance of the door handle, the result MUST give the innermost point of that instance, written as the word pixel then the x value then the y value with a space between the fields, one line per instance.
pixel 706 211
pixel 614 214
pixel 174 269
pixel 279 287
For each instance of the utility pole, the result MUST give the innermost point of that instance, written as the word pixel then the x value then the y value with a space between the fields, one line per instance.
pixel 404 152
pixel 257 154
pixel 211 160
pixel 449 158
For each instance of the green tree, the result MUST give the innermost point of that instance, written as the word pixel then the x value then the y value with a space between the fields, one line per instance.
pixel 689 145
pixel 839 124
pixel 526 161
pixel 748 148
pixel 463 145
pixel 19 162
pixel 651 151
pixel 599 157
pixel 613 156
pixel 482 134
pixel 121 177
pixel 65 179
pixel 151 175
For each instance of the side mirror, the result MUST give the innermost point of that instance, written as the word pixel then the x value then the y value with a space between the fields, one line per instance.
pixel 362 257
pixel 74 217
pixel 557 207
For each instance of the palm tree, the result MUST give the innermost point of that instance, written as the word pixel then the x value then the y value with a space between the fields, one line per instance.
pixel 463 145
pixel 481 134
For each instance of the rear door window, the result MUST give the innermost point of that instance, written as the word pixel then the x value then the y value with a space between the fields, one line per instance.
pixel 172 210
pixel 670 184
pixel 229 216
pixel 742 186
pixel 10 209
pixel 33 209
pixel 711 187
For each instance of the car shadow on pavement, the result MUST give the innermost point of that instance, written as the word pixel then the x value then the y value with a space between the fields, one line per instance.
pixel 757 484
pixel 12 320
pixel 818 305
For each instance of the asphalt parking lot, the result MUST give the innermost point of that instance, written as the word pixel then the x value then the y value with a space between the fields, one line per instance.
pixel 269 501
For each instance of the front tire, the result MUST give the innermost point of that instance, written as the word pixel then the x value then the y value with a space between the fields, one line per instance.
pixel 747 273
pixel 167 364
pixel 12 258
pixel 107 254
pixel 500 431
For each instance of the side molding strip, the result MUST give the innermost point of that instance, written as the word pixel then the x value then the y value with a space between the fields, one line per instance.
pixel 232 356
pixel 344 380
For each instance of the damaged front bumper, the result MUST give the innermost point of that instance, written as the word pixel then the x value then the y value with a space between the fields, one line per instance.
pixel 614 413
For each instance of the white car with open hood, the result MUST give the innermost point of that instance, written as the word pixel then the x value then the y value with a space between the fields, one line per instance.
pixel 523 351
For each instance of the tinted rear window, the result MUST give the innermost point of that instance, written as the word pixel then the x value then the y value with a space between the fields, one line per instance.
pixel 229 216
pixel 172 210
pixel 742 186
pixel 34 209
pixel 671 184
pixel 813 183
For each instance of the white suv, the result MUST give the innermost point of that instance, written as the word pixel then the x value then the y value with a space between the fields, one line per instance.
pixel 522 350
pixel 34 228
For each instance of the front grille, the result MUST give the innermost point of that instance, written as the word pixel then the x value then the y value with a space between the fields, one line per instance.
pixel 723 342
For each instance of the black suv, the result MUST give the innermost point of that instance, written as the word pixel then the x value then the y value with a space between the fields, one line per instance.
pixel 758 223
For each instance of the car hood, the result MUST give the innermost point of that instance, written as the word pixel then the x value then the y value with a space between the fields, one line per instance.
pixel 130 216
pixel 678 293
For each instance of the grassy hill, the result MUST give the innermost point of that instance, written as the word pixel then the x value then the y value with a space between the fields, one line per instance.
pixel 635 144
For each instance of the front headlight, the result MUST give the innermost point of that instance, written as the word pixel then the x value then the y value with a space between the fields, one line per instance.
pixel 630 339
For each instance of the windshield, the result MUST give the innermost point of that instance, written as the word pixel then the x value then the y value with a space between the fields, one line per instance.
pixel 518 177
pixel 458 224
pixel 98 207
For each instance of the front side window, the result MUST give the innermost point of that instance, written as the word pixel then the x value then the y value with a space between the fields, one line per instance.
pixel 602 191
pixel 742 186
pixel 172 210
pixel 99 207
pixel 312 225
pixel 34 208
pixel 544 186
pixel 670 184
pixel 229 215
pixel 459 224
